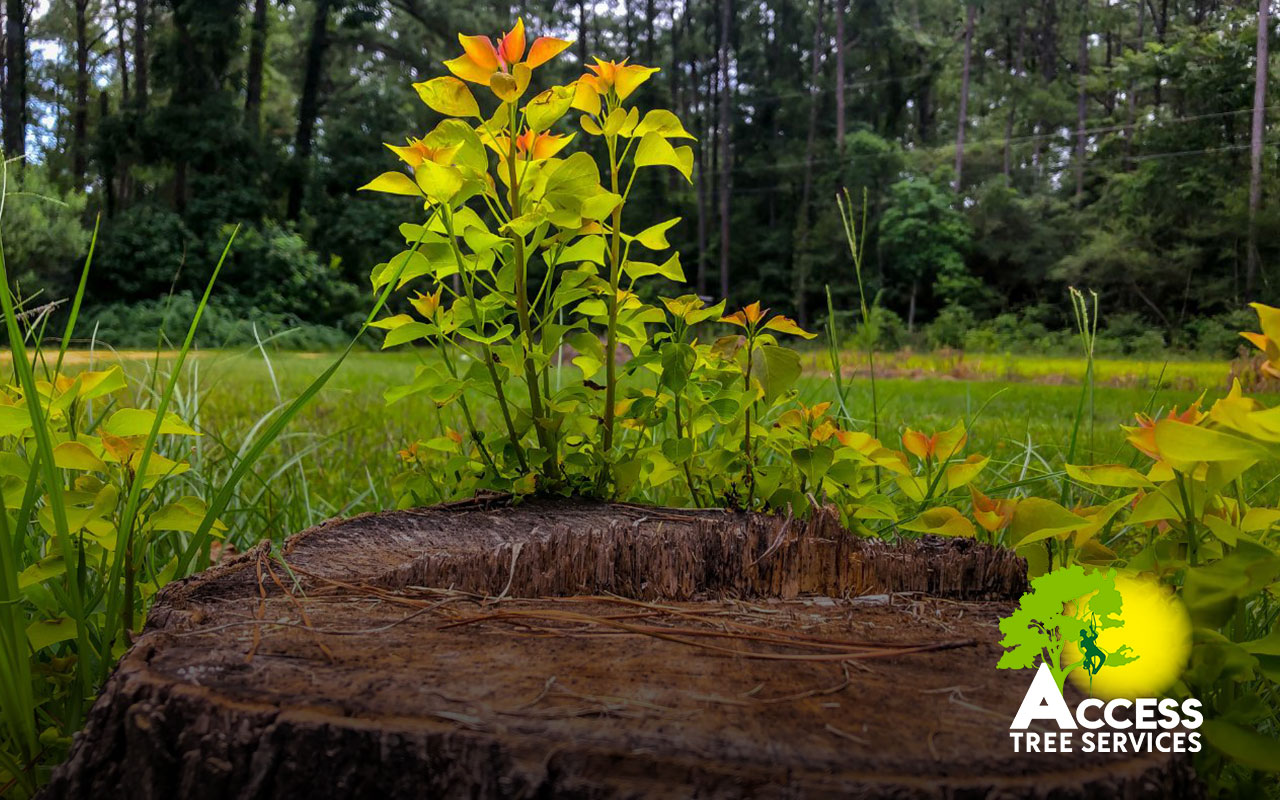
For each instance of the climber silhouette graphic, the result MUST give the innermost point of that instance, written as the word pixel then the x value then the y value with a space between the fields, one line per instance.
pixel 1094 658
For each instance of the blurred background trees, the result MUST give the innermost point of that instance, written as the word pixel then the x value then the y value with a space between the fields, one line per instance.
pixel 1010 148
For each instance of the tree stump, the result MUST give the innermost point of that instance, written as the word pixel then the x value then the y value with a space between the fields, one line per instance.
pixel 561 648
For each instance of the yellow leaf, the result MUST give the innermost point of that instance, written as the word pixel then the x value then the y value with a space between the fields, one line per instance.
pixel 1115 475
pixel 74 455
pixel 546 108
pixel 663 123
pixel 783 324
pixel 654 151
pixel 139 421
pixel 449 96
pixel 393 183
pixel 942 521
pixel 963 474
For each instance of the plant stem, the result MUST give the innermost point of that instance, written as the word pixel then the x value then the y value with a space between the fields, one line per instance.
pixel 611 335
pixel 469 288
pixel 545 440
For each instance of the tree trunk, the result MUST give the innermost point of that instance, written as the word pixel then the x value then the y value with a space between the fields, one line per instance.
pixel 911 305
pixel 14 96
pixel 108 167
pixel 257 58
pixel 1082 97
pixel 800 255
pixel 141 67
pixel 1131 114
pixel 583 44
pixel 80 102
pixel 122 51
pixel 309 106
pixel 563 648
pixel 1018 74
pixel 726 149
pixel 1253 266
pixel 840 75
pixel 971 13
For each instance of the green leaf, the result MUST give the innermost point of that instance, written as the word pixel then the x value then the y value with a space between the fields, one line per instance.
pixel 410 332
pixel 99 384
pixel 678 360
pixel 449 96
pixel 45 632
pixel 14 420
pixel 496 336
pixel 139 421
pixel 546 108
pixel 393 183
pixel 679 450
pixel 655 236
pixel 655 151
pixel 669 269
pixel 941 521
pixel 1243 745
pixel 184 514
pixel 50 566
pixel 1035 519
pixel 1109 475
pixel 439 183
pixel 663 123
pixel 777 369
pixel 1179 441
pixel 75 455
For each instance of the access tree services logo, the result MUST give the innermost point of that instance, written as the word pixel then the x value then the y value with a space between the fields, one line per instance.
pixel 1060 624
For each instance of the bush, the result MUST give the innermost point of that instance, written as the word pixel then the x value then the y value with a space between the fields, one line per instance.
pixel 44 241
pixel 163 322
pixel 1219 336
pixel 951 325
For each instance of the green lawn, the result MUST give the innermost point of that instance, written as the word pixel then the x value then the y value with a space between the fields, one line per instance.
pixel 340 454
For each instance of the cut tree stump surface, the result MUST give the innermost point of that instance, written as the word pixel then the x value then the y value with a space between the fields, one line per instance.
pixel 583 650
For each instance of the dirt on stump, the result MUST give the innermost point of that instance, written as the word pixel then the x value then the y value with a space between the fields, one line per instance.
pixel 560 648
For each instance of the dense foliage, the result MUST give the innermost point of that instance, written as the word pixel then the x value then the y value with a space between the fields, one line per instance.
pixel 1103 144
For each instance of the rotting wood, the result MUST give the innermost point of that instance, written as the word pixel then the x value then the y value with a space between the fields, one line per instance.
pixel 560 648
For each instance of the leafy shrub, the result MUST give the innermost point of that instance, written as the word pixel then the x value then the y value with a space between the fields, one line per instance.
pixel 950 327
pixel 45 240
pixel 164 322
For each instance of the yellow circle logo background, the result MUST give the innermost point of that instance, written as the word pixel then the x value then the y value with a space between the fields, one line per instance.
pixel 1157 629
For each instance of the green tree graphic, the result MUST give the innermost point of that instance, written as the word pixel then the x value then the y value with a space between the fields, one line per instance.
pixel 1066 605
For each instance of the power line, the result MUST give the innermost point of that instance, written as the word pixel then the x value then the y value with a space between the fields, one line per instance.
pixel 1061 133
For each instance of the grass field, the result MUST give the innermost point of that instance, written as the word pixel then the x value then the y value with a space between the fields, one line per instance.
pixel 339 455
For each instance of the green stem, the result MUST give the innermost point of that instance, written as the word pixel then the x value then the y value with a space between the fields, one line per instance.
pixel 545 440
pixel 487 350
pixel 466 413
pixel 611 335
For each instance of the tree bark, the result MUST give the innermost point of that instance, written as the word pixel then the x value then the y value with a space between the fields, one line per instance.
pixel 1253 266
pixel 583 44
pixel 1018 75
pixel 726 149
pixel 309 106
pixel 803 224
pixel 14 95
pixel 80 102
pixel 1131 114
pixel 840 75
pixel 257 60
pixel 122 52
pixel 141 67
pixel 1082 97
pixel 971 13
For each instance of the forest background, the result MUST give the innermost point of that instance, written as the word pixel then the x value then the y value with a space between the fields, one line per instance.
pixel 1008 150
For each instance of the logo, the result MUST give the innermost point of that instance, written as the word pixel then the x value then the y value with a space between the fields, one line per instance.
pixel 1124 640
